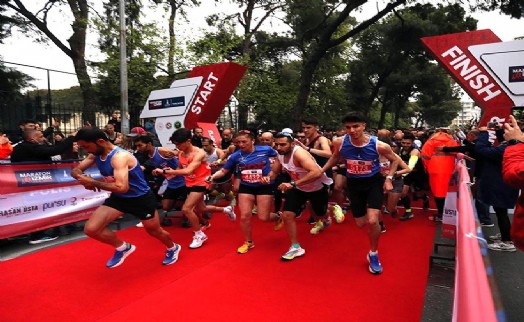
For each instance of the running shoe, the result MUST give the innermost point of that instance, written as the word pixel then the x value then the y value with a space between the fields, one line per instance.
pixel 254 210
pixel 140 225
pixel 382 227
pixel 406 216
pixel 43 239
pixel 120 255
pixel 486 224
pixel 205 226
pixel 319 226
pixel 496 237
pixel 246 246
pixel 279 222
pixel 394 214
pixel 339 215
pixel 435 218
pixel 311 221
pixel 230 213
pixel 374 264
pixel 198 241
pixel 172 255
pixel 292 253
pixel 503 246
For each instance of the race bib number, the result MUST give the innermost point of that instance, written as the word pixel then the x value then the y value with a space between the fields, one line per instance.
pixel 359 166
pixel 252 176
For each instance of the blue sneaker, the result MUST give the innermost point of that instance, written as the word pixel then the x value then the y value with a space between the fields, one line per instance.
pixel 172 255
pixel 374 264
pixel 120 256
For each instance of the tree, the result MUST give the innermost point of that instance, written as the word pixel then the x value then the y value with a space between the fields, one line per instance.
pixel 76 46
pixel 145 51
pixel 392 67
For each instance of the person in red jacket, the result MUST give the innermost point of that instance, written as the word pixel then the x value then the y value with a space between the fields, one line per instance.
pixel 5 146
pixel 513 175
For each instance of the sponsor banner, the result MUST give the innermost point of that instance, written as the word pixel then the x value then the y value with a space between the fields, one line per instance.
pixel 39 196
pixel 453 52
pixel 473 299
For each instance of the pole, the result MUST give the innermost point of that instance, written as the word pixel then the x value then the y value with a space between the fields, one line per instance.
pixel 49 109
pixel 123 70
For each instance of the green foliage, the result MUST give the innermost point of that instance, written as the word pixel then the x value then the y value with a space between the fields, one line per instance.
pixel 145 51
pixel 392 69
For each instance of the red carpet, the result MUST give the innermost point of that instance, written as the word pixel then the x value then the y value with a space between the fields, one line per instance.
pixel 214 283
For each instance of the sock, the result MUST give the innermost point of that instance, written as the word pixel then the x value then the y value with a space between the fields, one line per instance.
pixel 172 247
pixel 199 233
pixel 295 245
pixel 123 247
pixel 373 253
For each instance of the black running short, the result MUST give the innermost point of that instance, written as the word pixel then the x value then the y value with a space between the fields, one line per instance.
pixel 296 200
pixel 175 193
pixel 142 207
pixel 365 193
pixel 268 189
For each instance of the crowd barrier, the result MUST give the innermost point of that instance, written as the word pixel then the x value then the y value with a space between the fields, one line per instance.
pixel 36 196
pixel 475 295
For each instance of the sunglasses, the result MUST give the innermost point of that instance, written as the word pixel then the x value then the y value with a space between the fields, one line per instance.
pixel 301 137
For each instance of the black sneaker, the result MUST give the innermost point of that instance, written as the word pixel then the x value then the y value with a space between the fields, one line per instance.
pixel 406 216
pixel 394 214
pixel 186 224
pixel 382 227
pixel 207 215
pixel 311 221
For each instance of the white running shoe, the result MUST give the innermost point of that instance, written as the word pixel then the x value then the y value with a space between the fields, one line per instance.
pixel 503 246
pixel 198 241
pixel 495 238
pixel 139 225
pixel 292 253
pixel 230 213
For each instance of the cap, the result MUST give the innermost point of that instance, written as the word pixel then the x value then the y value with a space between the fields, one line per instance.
pixel 287 130
pixel 137 131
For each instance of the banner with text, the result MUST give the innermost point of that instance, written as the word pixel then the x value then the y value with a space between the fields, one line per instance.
pixel 39 196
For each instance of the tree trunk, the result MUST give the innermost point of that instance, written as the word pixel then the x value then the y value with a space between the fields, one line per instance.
pixel 172 39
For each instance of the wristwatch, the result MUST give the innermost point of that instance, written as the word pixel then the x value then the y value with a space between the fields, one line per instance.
pixel 293 183
pixel 514 141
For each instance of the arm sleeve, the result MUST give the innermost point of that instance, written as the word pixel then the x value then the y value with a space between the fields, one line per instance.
pixel 412 162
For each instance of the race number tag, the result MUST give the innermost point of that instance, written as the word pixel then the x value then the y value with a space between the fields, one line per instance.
pixel 359 166
pixel 252 176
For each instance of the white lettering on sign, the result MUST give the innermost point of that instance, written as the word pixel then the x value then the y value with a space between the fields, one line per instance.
pixel 471 74
pixel 203 94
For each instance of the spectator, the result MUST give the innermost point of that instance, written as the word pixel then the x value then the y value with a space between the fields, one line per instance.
pixel 115 121
pixel 493 191
pixel 23 126
pixel 512 170
pixel 34 148
pixel 114 136
pixel 227 139
pixel 198 134
pixel 5 146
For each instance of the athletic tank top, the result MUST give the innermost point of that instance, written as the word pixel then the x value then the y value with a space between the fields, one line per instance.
pixel 361 161
pixel 159 161
pixel 406 155
pixel 137 183
pixel 252 166
pixel 199 176
pixel 212 157
pixel 297 173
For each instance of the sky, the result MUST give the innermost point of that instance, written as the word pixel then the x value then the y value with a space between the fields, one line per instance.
pixel 22 50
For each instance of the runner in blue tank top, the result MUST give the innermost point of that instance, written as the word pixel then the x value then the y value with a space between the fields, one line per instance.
pixel 129 194
pixel 254 166
pixel 365 184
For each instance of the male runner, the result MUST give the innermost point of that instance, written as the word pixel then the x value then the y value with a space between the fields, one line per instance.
pixel 129 194
pixel 308 182
pixel 365 184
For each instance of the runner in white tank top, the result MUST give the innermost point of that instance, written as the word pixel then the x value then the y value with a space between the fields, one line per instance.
pixel 308 183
